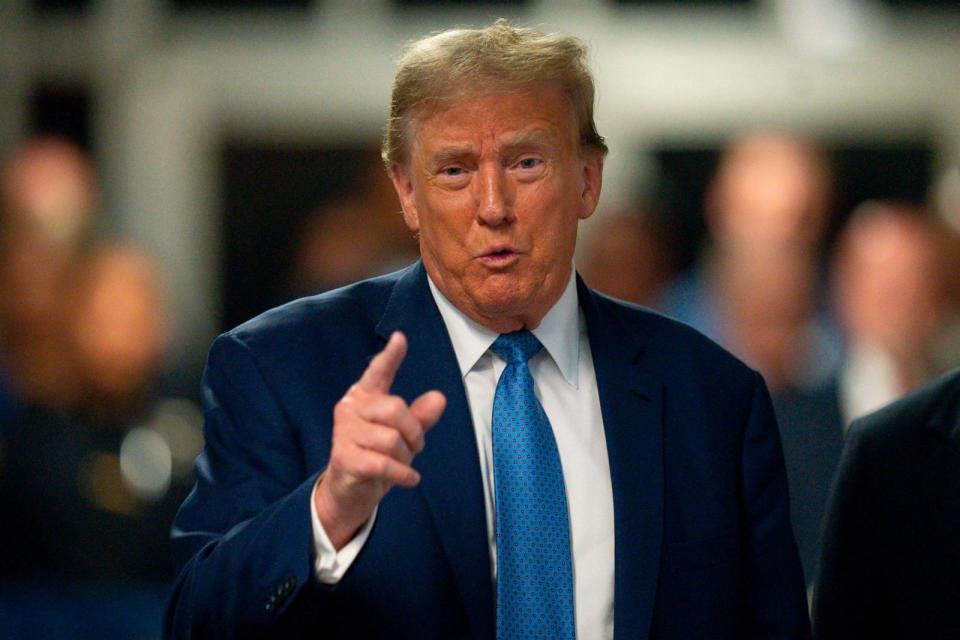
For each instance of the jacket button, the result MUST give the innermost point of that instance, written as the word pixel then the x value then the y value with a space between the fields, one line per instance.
pixel 269 607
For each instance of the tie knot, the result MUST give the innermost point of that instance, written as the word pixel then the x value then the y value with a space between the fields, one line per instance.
pixel 516 347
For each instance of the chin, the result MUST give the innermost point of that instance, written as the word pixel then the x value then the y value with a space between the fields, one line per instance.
pixel 503 300
pixel 501 286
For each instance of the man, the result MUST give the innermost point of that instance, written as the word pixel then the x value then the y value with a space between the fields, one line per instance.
pixel 756 291
pixel 591 470
pixel 892 250
pixel 890 566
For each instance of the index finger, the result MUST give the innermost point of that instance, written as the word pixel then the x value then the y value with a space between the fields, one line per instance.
pixel 383 367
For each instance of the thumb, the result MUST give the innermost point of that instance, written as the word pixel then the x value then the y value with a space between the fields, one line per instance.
pixel 428 408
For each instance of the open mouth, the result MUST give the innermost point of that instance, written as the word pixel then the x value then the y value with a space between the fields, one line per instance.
pixel 499 257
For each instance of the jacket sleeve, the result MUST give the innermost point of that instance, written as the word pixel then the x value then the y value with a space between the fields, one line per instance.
pixel 775 602
pixel 242 541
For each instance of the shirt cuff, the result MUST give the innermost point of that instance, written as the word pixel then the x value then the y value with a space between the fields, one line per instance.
pixel 331 565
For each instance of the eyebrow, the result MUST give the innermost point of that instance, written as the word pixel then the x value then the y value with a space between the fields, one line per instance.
pixel 450 154
pixel 533 138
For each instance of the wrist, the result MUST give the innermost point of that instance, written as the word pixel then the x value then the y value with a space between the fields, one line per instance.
pixel 339 525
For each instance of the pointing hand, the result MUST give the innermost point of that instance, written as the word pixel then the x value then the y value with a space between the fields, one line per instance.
pixel 375 437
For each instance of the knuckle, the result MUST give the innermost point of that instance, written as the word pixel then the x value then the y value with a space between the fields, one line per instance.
pixel 354 393
pixel 371 468
pixel 343 407
pixel 366 468
pixel 396 408
pixel 338 465
pixel 393 439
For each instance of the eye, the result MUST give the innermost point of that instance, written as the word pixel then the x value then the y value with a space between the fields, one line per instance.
pixel 529 163
pixel 452 176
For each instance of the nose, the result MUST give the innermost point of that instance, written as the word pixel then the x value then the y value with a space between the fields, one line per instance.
pixel 493 196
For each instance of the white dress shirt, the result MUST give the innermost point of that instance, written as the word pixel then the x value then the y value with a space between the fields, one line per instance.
pixel 566 385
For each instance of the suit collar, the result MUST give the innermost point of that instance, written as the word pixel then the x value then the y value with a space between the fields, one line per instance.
pixel 631 396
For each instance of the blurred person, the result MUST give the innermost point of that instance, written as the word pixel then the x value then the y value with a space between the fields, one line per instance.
pixel 771 189
pixel 32 281
pixel 891 564
pixel 884 571
pixel 353 237
pixel 771 305
pixel 767 213
pixel 757 291
pixel 118 330
pixel 71 473
pixel 48 201
pixel 626 257
pixel 50 183
pixel 893 298
pixel 96 486
pixel 591 469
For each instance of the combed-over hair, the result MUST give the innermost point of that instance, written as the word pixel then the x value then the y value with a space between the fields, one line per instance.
pixel 458 63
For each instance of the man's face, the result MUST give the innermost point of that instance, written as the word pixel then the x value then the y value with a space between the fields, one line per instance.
pixel 495 186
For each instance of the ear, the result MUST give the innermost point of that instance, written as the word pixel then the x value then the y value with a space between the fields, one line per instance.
pixel 591 181
pixel 402 182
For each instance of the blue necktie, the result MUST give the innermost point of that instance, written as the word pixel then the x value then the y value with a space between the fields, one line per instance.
pixel 534 567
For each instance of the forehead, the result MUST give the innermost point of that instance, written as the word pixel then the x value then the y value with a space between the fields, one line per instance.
pixel 542 114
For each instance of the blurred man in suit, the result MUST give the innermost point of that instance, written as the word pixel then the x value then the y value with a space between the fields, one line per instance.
pixel 890 566
pixel 591 469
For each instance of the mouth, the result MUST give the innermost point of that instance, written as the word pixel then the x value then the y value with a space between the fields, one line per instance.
pixel 499 256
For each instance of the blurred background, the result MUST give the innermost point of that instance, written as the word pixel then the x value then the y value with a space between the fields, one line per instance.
pixel 783 175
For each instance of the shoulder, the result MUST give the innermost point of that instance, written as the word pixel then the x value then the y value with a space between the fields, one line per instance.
pixel 289 341
pixel 353 309
pixel 926 411
pixel 699 379
pixel 677 345
pixel 905 441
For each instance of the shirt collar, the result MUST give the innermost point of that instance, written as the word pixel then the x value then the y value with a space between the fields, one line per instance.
pixel 559 332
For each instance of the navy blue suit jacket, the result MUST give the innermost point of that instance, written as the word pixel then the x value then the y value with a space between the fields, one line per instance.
pixel 703 541
pixel 890 562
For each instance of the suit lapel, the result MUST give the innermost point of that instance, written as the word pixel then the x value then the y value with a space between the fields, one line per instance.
pixel 449 464
pixel 631 403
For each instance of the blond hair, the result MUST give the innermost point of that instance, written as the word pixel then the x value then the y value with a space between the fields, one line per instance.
pixel 459 63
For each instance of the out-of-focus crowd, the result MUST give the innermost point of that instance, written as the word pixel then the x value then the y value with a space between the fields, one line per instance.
pixel 96 448
pixel 840 316
pixel 95 455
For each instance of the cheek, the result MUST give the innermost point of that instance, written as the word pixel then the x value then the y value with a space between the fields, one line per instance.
pixel 445 224
pixel 551 217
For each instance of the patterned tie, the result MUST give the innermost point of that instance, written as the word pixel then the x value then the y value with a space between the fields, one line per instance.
pixel 534 569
